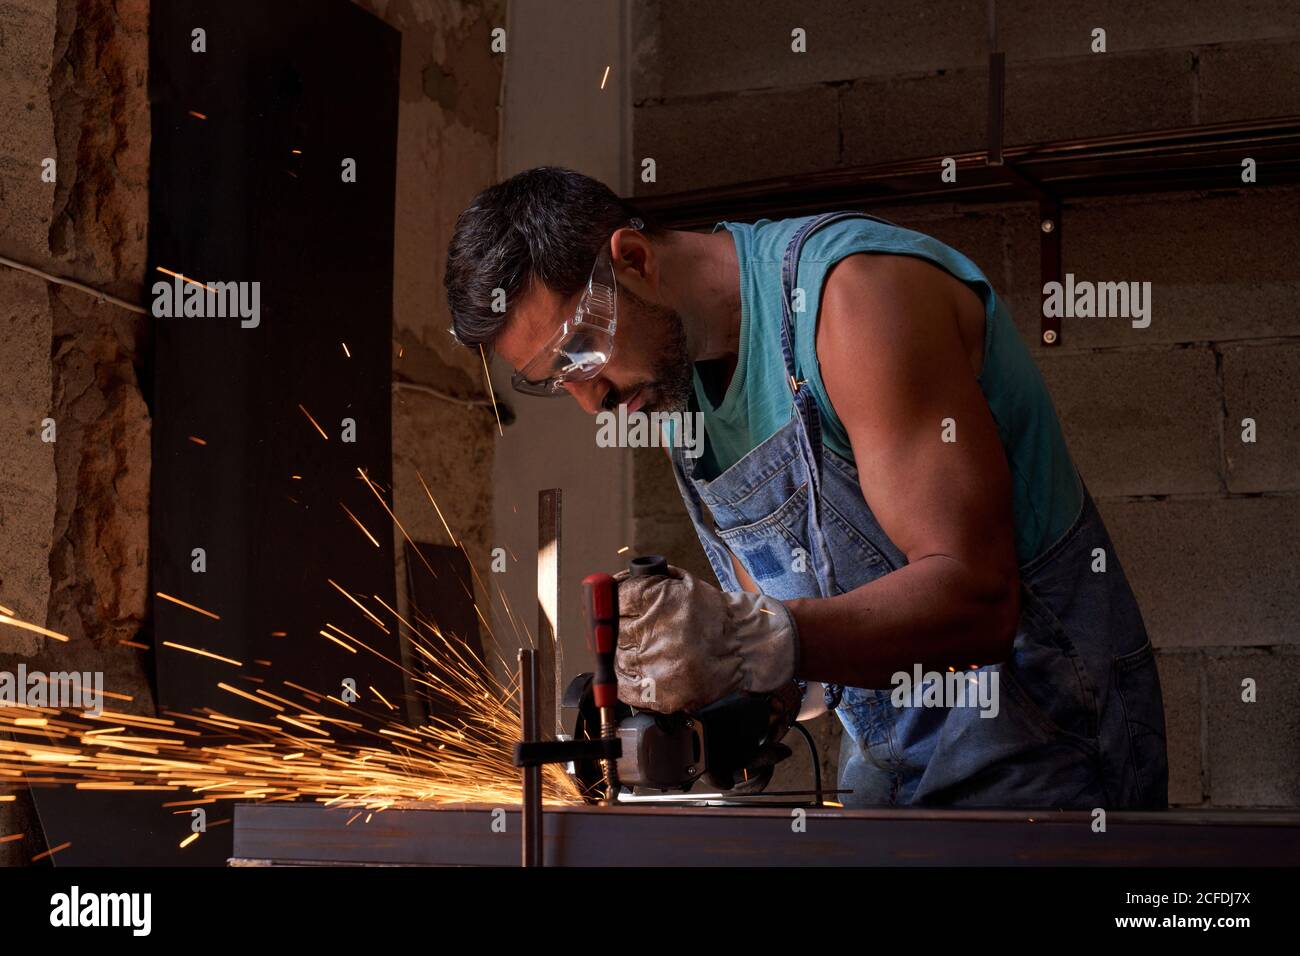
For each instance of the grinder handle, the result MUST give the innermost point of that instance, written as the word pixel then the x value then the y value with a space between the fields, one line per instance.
pixel 600 610
pixel 647 565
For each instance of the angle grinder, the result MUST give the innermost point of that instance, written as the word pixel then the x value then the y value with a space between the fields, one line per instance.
pixel 733 745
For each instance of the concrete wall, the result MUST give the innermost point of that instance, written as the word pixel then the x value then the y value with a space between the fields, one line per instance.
pixel 446 152
pixel 1204 523
pixel 556 113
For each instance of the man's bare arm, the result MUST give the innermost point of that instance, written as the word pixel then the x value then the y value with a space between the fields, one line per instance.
pixel 895 367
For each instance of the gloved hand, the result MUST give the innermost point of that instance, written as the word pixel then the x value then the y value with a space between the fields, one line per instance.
pixel 684 644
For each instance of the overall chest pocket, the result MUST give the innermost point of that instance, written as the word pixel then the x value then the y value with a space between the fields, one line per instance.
pixel 774 546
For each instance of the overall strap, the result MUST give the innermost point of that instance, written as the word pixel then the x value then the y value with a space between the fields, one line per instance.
pixel 805 403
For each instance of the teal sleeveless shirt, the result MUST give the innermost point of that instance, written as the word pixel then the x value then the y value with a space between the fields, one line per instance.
pixel 1048 494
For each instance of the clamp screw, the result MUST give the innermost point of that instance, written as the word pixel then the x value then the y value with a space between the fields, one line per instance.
pixel 1047 225
pixel 1049 336
pixel 690 771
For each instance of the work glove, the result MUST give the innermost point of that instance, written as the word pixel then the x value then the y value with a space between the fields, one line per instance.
pixel 683 644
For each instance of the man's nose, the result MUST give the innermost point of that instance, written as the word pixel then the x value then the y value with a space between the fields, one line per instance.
pixel 590 394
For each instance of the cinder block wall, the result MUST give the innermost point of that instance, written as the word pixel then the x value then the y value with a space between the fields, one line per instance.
pixel 1204 524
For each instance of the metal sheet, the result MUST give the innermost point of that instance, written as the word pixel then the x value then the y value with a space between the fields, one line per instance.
pixel 641 836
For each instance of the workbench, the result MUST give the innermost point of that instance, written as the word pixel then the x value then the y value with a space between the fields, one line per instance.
pixel 276 834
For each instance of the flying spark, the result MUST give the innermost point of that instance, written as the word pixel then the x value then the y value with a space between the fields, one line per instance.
pixel 487 382
pixel 187 604
pixel 184 278
pixel 447 741
pixel 34 628
pixel 313 421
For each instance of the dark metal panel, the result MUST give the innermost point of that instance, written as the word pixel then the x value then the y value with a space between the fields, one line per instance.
pixel 251 189
pixel 440 589
pixel 645 836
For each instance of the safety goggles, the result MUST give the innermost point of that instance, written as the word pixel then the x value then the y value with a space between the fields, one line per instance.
pixel 583 345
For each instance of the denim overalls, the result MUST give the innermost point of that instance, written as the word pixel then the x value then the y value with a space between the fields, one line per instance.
pixel 1080 722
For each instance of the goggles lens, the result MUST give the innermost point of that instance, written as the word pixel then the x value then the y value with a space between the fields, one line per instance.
pixel 576 353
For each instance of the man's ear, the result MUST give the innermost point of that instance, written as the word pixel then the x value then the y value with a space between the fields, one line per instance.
pixel 635 260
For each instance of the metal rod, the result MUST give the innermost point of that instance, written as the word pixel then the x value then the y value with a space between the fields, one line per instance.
pixel 550 694
pixel 531 810
pixel 1200 157
pixel 609 766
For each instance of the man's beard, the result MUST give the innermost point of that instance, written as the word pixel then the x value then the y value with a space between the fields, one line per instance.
pixel 672 383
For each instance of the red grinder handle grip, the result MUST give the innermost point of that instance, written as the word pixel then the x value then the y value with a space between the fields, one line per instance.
pixel 600 610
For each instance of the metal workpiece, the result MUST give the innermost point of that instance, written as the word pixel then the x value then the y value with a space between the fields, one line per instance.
pixel 550 657
pixel 308 833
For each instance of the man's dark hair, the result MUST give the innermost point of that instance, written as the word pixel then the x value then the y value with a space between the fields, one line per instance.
pixel 545 224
